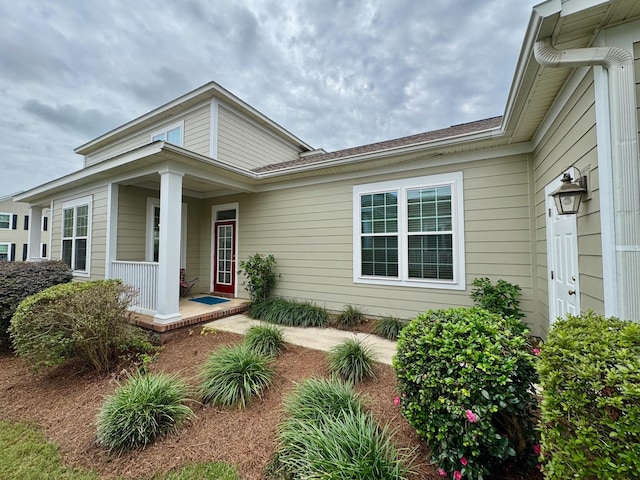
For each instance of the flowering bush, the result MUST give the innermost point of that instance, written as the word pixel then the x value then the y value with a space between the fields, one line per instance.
pixel 465 379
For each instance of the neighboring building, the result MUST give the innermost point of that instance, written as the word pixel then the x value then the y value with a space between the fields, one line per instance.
pixel 14 232
pixel 397 227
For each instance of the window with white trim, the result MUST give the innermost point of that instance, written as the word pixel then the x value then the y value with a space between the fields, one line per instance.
pixel 4 252
pixel 410 232
pixel 76 235
pixel 5 221
pixel 171 134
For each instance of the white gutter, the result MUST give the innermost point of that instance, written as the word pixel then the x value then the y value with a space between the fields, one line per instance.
pixel 625 166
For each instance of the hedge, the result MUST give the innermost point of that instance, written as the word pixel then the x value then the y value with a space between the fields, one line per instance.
pixel 590 375
pixel 18 280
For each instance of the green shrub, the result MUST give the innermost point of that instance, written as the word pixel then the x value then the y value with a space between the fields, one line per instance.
pixel 290 313
pixel 465 380
pixel 502 298
pixel 143 409
pixel 233 375
pixel 328 434
pixel 86 321
pixel 317 398
pixel 590 374
pixel 265 339
pixel 350 316
pixel 18 280
pixel 260 276
pixel 352 360
pixel 388 327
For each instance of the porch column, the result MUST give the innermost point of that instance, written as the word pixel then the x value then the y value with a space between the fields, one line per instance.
pixel 169 252
pixel 35 233
pixel 113 191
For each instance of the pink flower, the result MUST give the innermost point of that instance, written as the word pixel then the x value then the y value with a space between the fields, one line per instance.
pixel 536 449
pixel 471 416
pixel 457 475
pixel 536 351
pixel 442 473
pixel 396 401
pixel 463 461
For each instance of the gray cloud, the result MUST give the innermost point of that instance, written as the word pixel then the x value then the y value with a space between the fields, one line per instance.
pixel 335 73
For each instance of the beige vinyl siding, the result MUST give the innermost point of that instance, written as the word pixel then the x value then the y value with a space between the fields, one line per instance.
pixel 244 143
pixel 98 229
pixel 309 231
pixel 571 139
pixel 196 136
pixel 20 236
pixel 132 222
pixel 197 130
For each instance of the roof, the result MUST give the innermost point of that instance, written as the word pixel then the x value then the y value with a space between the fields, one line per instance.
pixel 411 140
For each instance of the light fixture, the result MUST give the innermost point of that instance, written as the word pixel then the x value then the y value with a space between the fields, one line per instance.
pixel 569 194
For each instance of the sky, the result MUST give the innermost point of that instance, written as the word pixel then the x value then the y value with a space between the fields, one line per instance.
pixel 335 73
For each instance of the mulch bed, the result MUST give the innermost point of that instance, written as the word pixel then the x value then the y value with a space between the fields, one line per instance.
pixel 65 403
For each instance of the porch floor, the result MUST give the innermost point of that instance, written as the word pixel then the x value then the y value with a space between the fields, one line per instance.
pixel 193 313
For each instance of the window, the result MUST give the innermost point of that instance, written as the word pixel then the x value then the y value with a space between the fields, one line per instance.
pixel 4 252
pixel 76 221
pixel 25 250
pixel 26 223
pixel 45 224
pixel 171 134
pixel 410 232
pixel 43 250
pixel 5 221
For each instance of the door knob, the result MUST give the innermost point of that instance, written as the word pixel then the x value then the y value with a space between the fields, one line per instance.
pixel 572 292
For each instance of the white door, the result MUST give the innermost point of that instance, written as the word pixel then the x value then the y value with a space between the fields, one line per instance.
pixel 562 260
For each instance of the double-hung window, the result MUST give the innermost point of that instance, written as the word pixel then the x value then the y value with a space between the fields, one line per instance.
pixel 171 134
pixel 5 221
pixel 76 235
pixel 5 249
pixel 410 232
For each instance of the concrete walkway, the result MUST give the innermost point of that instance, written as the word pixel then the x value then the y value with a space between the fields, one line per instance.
pixel 316 338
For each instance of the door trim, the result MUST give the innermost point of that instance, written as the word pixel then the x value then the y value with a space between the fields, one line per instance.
pixel 551 260
pixel 212 230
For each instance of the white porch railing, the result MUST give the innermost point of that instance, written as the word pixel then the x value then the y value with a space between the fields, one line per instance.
pixel 143 276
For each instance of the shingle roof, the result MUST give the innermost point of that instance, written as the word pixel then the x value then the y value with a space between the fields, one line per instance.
pixel 453 131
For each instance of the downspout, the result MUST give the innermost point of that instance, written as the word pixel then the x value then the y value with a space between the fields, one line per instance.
pixel 624 159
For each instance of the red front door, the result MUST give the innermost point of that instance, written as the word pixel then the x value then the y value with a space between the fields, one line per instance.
pixel 224 263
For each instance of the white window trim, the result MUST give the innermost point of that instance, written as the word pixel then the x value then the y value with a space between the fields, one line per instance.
pixel 164 130
pixel 454 179
pixel 155 202
pixel 88 200
pixel 10 215
pixel 8 251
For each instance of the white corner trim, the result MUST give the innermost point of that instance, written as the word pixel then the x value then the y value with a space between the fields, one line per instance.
pixel 213 127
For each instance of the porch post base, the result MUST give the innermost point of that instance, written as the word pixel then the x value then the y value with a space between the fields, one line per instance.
pixel 164 319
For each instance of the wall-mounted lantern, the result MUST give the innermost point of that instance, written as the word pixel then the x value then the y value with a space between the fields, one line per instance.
pixel 570 193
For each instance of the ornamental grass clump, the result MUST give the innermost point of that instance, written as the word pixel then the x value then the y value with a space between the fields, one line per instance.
pixel 388 327
pixel 141 410
pixel 328 434
pixel 232 376
pixel 350 316
pixel 466 383
pixel 289 313
pixel 590 412
pixel 265 339
pixel 352 360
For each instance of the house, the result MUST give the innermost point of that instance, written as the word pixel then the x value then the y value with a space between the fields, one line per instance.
pixel 14 232
pixel 395 227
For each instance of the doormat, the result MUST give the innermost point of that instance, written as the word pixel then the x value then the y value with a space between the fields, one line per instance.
pixel 209 300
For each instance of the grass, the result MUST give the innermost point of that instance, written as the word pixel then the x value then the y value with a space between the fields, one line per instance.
pixel 234 375
pixel 26 455
pixel 265 339
pixel 141 410
pixel 317 398
pixel 290 313
pixel 352 361
pixel 350 316
pixel 389 327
